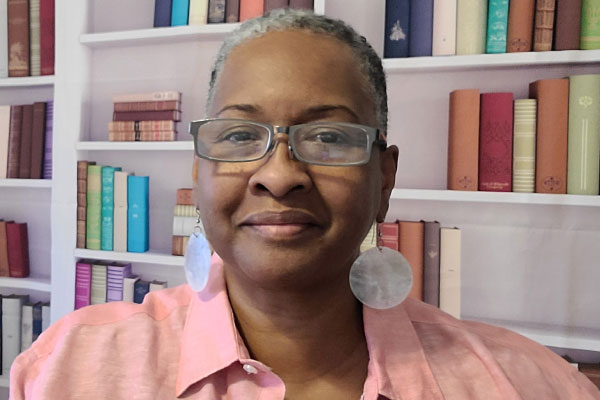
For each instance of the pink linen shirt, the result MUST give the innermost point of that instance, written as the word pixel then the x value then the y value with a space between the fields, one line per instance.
pixel 182 344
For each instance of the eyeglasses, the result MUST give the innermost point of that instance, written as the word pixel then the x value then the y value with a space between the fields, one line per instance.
pixel 319 143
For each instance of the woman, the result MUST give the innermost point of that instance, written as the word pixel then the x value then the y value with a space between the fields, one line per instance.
pixel 285 210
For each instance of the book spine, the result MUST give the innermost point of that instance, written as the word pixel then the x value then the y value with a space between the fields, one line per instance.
pixel 179 245
pixel 583 158
pixel 568 25
pixel 497 28
pixel 471 26
pixel 18 250
pixel 94 205
pixel 159 136
pixel 389 234
pixel 184 211
pixel 37 321
pixel 37 140
pixel 141 126
pixel 185 196
pixel 11 330
pixel 397 14
pixel 147 106
pixel 98 285
pixel 129 288
pixel 25 156
pixel 411 246
pixel 271 5
pixel 302 4
pixel 544 25
pixel 143 97
pixel 216 11
pixel 137 213
pixel 34 37
pixel 495 142
pixel 250 9
pixel 4 269
pixel 463 140
pixel 83 282
pixel 524 146
pixel 552 126
pixel 4 140
pixel 157 285
pixel 450 271
pixel 421 28
pixel 26 326
pixel 47 37
pixel 232 11
pixel 520 26
pixel 47 172
pixel 431 263
pixel 120 226
pixel 444 28
pixel 82 167
pixel 162 13
pixel 45 316
pixel 18 38
pixel 179 12
pixel 199 12
pixel 172 115
pixel 590 28
pixel 141 288
pixel 108 205
pixel 14 141
pixel 4 43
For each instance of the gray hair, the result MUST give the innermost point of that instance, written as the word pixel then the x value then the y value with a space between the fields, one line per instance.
pixel 288 19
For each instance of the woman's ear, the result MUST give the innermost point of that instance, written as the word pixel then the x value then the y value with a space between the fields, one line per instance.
pixel 388 165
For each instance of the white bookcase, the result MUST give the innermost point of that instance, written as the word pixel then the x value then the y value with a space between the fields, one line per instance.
pixel 530 261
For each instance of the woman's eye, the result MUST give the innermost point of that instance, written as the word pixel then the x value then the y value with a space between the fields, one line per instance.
pixel 330 137
pixel 238 137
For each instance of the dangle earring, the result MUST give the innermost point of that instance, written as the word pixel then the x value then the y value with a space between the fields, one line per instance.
pixel 197 257
pixel 381 277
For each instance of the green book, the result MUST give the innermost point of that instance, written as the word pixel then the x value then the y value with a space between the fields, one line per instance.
pixel 590 25
pixel 583 157
pixel 497 26
pixel 108 206
pixel 524 146
pixel 94 205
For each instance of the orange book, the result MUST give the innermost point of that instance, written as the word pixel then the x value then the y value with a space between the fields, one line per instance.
pixel 552 126
pixel 250 9
pixel 520 25
pixel 411 247
pixel 463 140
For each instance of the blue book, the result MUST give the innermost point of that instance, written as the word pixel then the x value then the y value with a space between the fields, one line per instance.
pixel 179 12
pixel 138 225
pixel 37 320
pixel 421 28
pixel 108 206
pixel 162 12
pixel 497 27
pixel 140 289
pixel 397 15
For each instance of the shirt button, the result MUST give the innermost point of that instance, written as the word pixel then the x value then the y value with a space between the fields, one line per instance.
pixel 250 369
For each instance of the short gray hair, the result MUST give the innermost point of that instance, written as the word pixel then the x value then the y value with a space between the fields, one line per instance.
pixel 289 19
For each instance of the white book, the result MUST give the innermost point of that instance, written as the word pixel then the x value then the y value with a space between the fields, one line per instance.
pixel 157 285
pixel 98 285
pixel 120 211
pixel 4 134
pixel 4 41
pixel 183 226
pixel 26 326
pixel 184 211
pixel 198 14
pixel 471 24
pixel 11 329
pixel 443 41
pixel 450 260
pixel 34 38
pixel 151 96
pixel 128 288
pixel 45 316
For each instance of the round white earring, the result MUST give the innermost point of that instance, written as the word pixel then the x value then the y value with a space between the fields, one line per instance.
pixel 197 258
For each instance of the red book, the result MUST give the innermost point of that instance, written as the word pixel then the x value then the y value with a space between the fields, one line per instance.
pixel 25 157
pixel 495 142
pixel 18 250
pixel 18 38
pixel 250 9
pixel 171 115
pixel 14 141
pixel 38 131
pixel 389 233
pixel 4 270
pixel 47 36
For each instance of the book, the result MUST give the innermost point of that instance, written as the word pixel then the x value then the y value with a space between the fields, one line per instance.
pixel 250 9
pixel 93 207
pixel 496 142
pixel 4 139
pixel 140 289
pixel 38 130
pixel 421 28
pixel 525 112
pixel 198 12
pixel 47 170
pixel 82 167
pixel 521 15
pixel 83 283
pixel 184 211
pixel 98 283
pixel 551 142
pixel 583 156
pixel 463 140
pixel 185 196
pixel 411 247
pixel 45 316
pixel 26 325
pixel 270 5
pixel 232 11
pixel 117 272
pixel 47 37
pixel 590 29
pixel 108 205
pixel 37 321
pixel 157 285
pixel 14 141
pixel 162 13
pixel 3 43
pixel 147 96
pixel 138 213
pixel 397 26
pixel 444 28
pixel 120 207
pixel 431 262
pixel 11 329
pixel 25 148
pixel 18 249
pixel 471 26
pixel 137 126
pixel 497 26
pixel 303 4
pixel 179 12
pixel 172 115
pixel 544 25
pixel 568 25
pixel 4 268
pixel 450 271
pixel 179 244
pixel 148 105
pixel 216 11
pixel 18 38
pixel 157 136
pixel 389 233
pixel 34 38
pixel 129 288
pixel 370 239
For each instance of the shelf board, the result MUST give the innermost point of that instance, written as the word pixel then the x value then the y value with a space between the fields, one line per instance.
pixel 135 146
pixel 26 183
pixel 449 63
pixel 149 257
pixel 154 36
pixel 496 197
pixel 27 81
pixel 39 284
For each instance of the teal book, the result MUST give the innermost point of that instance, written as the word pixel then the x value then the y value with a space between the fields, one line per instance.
pixel 108 206
pixel 138 226
pixel 497 26
pixel 94 205
pixel 179 12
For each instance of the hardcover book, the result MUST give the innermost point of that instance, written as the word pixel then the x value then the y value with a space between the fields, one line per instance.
pixel 568 25
pixel 148 96
pixel 140 289
pixel 250 9
pixel 444 28
pixel 304 4
pixel 47 172
pixel 26 325
pixel 179 12
pixel 179 244
pixel 232 10
pixel 120 225
pixel 18 38
pixel 25 148
pixel 198 12
pixel 138 126
pixel 108 205
pixel 389 235
pixel 497 26
pixel 138 213
pixel 411 247
pixel 421 28
pixel 431 263
pixel 117 272
pixel 129 288
pixel 83 283
pixel 544 25
pixel 11 329
pixel 4 269
pixel 162 13
pixel 148 106
pixel 397 14
pixel 157 285
pixel 37 320
pixel 82 167
pixel 471 26
pixel 3 43
pixel 34 37
pixel 47 37
pixel 185 196
pixel 590 28
pixel 94 206
pixel 98 285
pixel 18 249
pixel 524 146
pixel 274 4
pixel 14 141
pixel 37 140
pixel 4 139
pixel 45 316
pixel 450 267
pixel 172 115
pixel 520 26
pixel 185 211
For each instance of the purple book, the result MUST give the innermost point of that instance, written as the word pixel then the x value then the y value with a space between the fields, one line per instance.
pixel 114 285
pixel 47 169
pixel 83 283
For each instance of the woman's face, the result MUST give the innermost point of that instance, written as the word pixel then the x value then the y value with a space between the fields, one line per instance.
pixel 278 222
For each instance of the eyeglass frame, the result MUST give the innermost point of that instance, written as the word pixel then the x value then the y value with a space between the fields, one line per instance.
pixel 374 135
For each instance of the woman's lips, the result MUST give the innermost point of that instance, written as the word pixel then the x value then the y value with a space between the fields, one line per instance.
pixel 280 224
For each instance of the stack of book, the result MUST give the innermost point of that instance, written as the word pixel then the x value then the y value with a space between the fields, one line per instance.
pixel 145 117
pixel 200 12
pixel 113 210
pixel 14 249
pixel 184 220
pixel 98 282
pixel 434 254
pixel 26 141
pixel 549 143
pixel 416 28
pixel 26 38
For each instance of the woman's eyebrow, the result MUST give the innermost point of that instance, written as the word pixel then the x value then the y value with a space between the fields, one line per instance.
pixel 247 108
pixel 326 108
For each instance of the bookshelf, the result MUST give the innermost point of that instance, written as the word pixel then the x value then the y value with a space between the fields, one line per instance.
pixel 26 183
pixel 30 283
pixel 27 82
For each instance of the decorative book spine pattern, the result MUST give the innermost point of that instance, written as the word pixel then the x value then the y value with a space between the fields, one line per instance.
pixel 497 27
pixel 431 263
pixel 184 208
pixel 232 10
pixel 524 146
pixel 275 4
pixel 18 249
pixel 38 130
pixel 250 9
pixel 25 157
pixel 590 25
pixel 463 140
pixel 421 28
pixel 444 28
pixel 179 12
pixel 14 141
pixel 147 106
pixel 82 168
pixel 94 205
pixel 120 223
pixel 199 12
pixel 173 115
pixel 83 282
pixel 162 13
pixel 108 205
pixel 450 271
pixel 34 38
pixel 397 14
pixel 583 159
pixel 137 213
pixel 544 25
pixel 302 4
pixel 411 246
pixel 471 26
pixel 4 140
pixel 47 170
pixel 18 38
pixel 150 96
pixel 4 42
pixel 520 26
pixel 47 37
pixel 117 272
pixel 568 25
pixel 495 142
pixel 98 285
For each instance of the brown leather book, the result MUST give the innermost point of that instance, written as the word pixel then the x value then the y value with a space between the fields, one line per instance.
pixel 544 25
pixel 82 170
pixel 38 131
pixel 463 140
pixel 411 247
pixel 81 212
pixel 274 4
pixel 14 141
pixel 4 271
pixel 81 234
pixel 431 263
pixel 185 197
pixel 568 25
pixel 18 38
pixel 520 26
pixel 25 157
pixel 18 249
pixel 232 11
pixel 148 105
pixel 552 126
pixel 172 115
